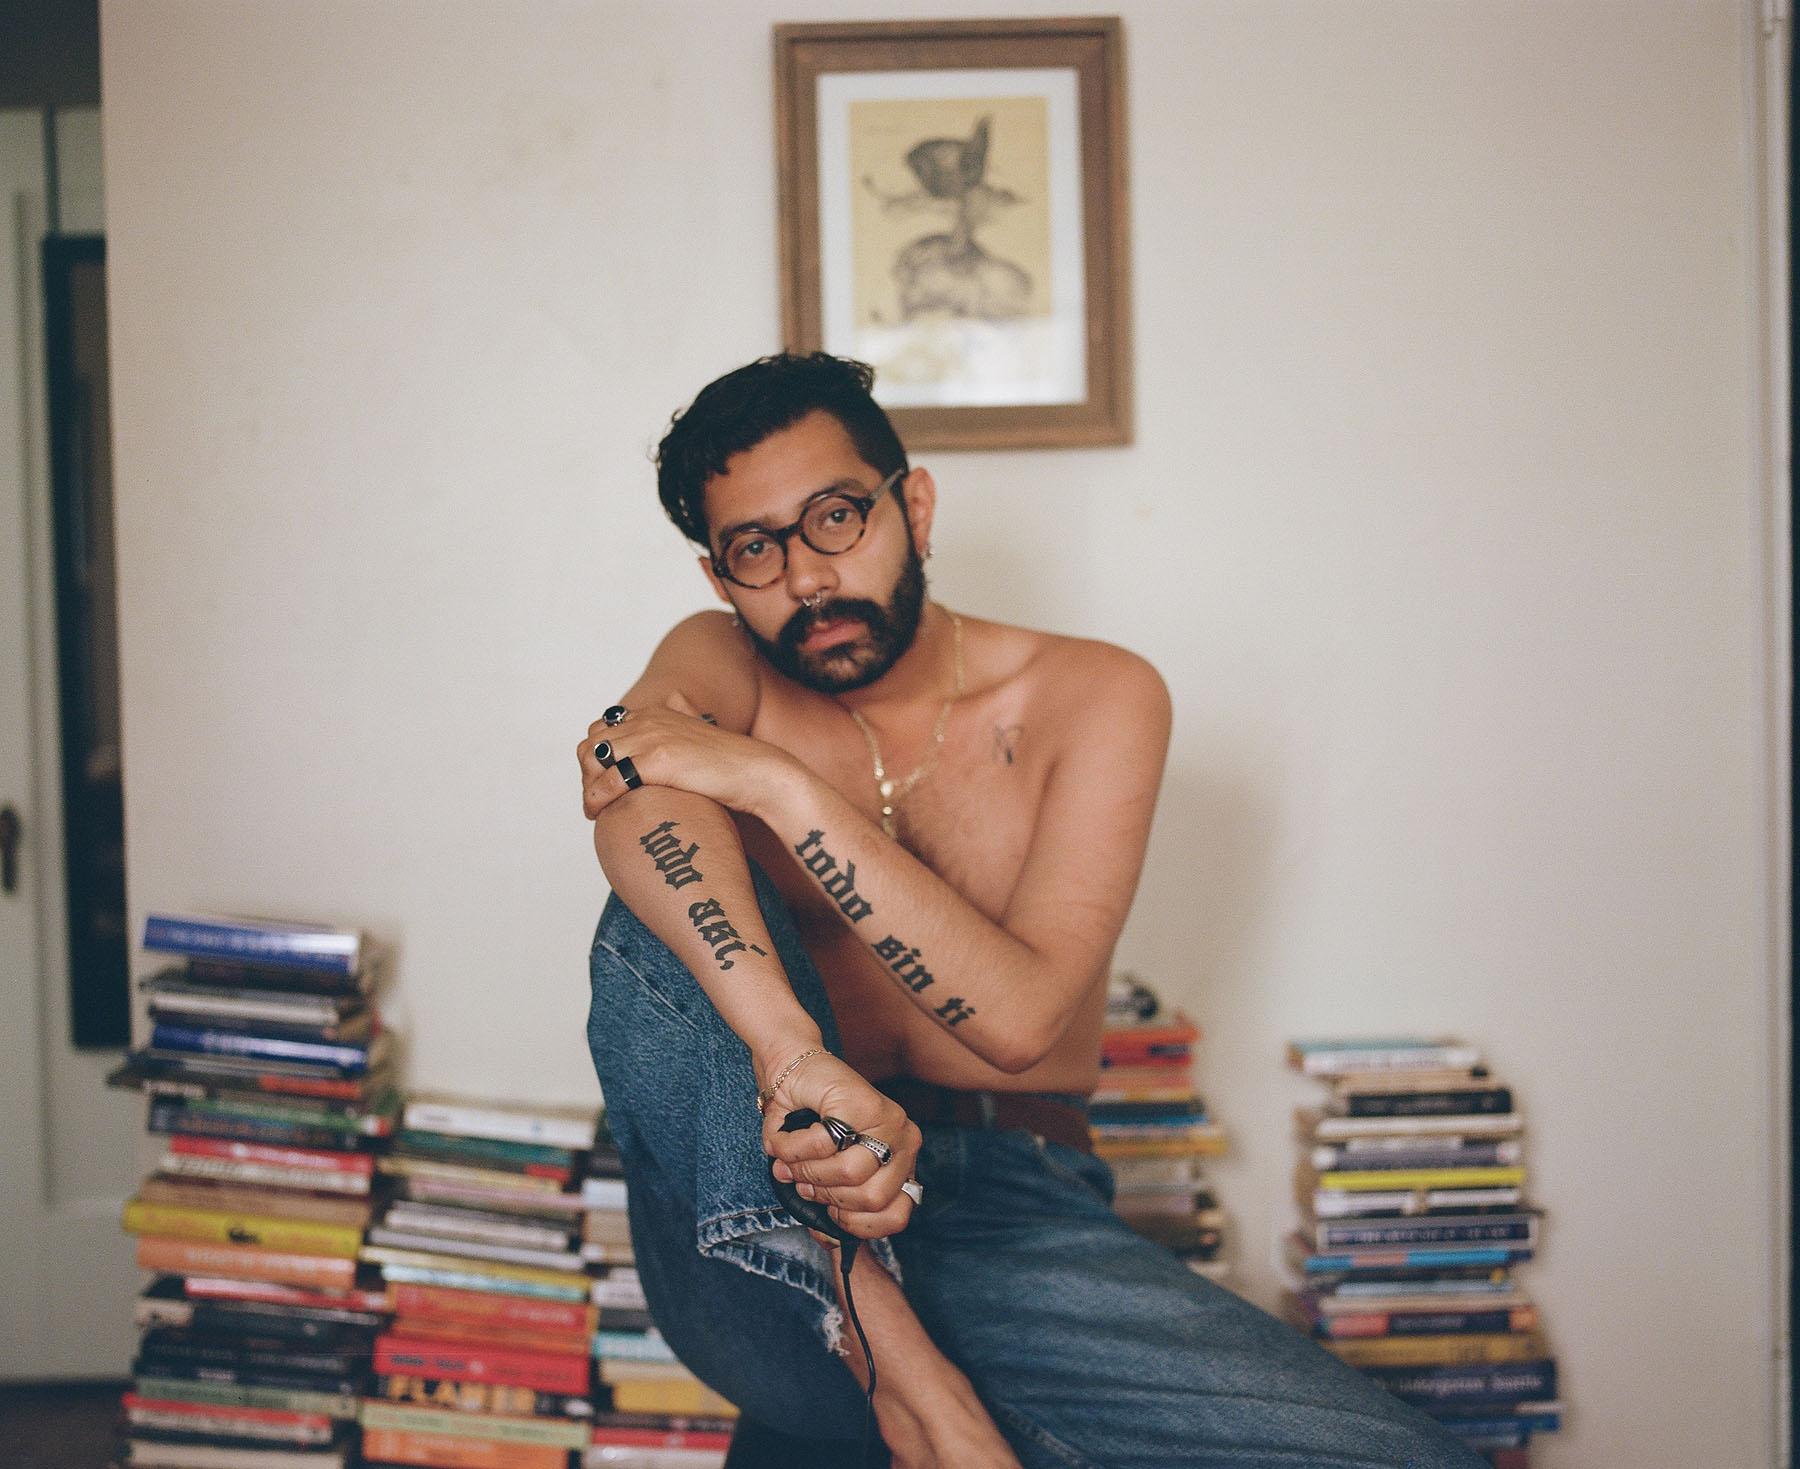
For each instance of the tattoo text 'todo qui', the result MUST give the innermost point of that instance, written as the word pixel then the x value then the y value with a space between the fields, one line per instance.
pixel 674 861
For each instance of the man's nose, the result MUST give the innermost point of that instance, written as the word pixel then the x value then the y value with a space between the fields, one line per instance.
pixel 810 573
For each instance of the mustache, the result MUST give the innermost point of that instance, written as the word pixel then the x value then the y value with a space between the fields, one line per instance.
pixel 801 625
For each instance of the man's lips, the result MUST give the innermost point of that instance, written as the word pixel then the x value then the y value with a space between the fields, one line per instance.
pixel 830 633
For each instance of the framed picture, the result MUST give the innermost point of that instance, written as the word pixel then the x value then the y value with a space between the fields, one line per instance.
pixel 953 212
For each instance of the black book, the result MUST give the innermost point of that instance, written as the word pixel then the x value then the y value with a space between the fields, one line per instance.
pixel 180 1344
pixel 1425 1104
pixel 249 1374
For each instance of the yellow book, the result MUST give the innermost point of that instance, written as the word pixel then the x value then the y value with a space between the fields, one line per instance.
pixel 426 1260
pixel 1360 1180
pixel 230 1227
pixel 671 1396
pixel 1484 1348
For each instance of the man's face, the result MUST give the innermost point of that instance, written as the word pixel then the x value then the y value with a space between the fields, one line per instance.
pixel 869 598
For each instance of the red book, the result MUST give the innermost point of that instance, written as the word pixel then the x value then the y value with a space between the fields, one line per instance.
pixel 316 1159
pixel 146 1411
pixel 606 1436
pixel 471 1362
pixel 491 1334
pixel 315 1086
pixel 506 1312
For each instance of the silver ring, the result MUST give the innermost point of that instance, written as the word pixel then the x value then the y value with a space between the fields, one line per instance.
pixel 915 1191
pixel 614 714
pixel 814 602
pixel 883 1153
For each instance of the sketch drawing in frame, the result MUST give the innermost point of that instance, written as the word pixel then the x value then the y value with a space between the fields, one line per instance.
pixel 953 212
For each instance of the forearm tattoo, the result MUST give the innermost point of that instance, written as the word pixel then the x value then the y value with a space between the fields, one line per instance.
pixel 902 959
pixel 838 883
pixel 674 861
pixel 717 933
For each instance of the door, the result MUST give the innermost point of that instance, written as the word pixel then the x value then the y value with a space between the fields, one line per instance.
pixel 68 1146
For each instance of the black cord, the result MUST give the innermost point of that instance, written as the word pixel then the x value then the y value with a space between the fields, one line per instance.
pixel 846 1258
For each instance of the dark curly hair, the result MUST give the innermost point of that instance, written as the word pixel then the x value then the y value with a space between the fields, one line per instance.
pixel 738 411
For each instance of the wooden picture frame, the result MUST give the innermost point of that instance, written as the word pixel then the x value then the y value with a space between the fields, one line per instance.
pixel 953 211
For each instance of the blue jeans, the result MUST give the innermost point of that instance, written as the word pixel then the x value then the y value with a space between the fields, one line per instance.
pixel 1088 1345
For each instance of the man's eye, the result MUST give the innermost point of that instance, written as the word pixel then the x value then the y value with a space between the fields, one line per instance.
pixel 750 550
pixel 837 515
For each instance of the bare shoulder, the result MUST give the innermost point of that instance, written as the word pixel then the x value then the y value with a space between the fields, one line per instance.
pixel 709 661
pixel 1070 684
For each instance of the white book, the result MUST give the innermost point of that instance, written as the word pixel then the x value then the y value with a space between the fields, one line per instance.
pixel 468 1249
pixel 562 1127
pixel 1322 1128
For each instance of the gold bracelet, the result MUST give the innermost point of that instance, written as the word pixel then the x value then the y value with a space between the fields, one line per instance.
pixel 766 1094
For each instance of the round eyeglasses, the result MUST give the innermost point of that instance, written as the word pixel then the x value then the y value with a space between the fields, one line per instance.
pixel 831 522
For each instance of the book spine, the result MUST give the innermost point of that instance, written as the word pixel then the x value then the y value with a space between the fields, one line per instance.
pixel 1425 1230
pixel 245 1395
pixel 229 1170
pixel 517 1312
pixel 541 1370
pixel 296 947
pixel 479 1280
pixel 150 1364
pixel 476 1249
pixel 479 1397
pixel 481 1122
pixel 353 1123
pixel 672 1395
pixel 1334 1061
pixel 441 1451
pixel 1428 1104
pixel 1374 1179
pixel 1469 1154
pixel 207 1288
pixel 196 1257
pixel 535 1431
pixel 715 1441
pixel 173 1117
pixel 174 1413
pixel 1521 1382
pixel 486 1334
pixel 1415 1258
pixel 291 1236
pixel 312 1160
pixel 350 1060
pixel 1431 1323
pixel 1447 1350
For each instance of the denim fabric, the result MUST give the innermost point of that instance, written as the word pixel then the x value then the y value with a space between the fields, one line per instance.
pixel 1091 1347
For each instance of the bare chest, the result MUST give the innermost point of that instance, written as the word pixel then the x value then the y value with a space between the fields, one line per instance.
pixel 970 812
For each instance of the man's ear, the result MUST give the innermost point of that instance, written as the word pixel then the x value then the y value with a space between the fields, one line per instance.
pixel 718 582
pixel 918 492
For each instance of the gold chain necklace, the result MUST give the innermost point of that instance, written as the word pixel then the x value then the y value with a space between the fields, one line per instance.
pixel 893 792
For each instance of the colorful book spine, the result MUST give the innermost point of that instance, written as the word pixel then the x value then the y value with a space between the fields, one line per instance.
pixel 295 1236
pixel 255 941
pixel 534 1430
pixel 197 1257
pixel 351 1060
pixel 443 1451
pixel 542 1370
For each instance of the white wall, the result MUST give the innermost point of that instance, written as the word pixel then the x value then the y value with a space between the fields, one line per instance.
pixel 1443 521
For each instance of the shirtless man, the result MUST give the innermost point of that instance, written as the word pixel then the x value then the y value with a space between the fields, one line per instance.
pixel 864 852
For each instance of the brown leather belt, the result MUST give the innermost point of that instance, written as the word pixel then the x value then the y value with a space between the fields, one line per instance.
pixel 1053 1120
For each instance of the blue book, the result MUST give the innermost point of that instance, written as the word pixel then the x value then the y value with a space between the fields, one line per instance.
pixel 308 946
pixel 632 1346
pixel 350 1060
pixel 1387 1259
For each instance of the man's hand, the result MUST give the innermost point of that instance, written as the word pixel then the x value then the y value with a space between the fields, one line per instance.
pixel 674 745
pixel 862 1193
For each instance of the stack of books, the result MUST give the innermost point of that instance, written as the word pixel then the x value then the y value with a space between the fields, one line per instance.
pixel 266 1077
pixel 1413 1218
pixel 650 1411
pixel 487 1363
pixel 1148 1121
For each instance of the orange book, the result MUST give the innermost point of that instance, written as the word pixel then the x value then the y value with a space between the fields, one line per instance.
pixel 243 1262
pixel 490 1334
pixel 521 1313
pixel 451 1451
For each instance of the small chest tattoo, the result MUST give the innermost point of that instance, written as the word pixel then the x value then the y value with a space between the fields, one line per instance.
pixel 1006 743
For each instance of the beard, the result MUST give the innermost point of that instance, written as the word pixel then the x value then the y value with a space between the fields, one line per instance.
pixel 857 664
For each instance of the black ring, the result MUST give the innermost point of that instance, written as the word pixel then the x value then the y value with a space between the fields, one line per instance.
pixel 603 753
pixel 614 714
pixel 628 772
